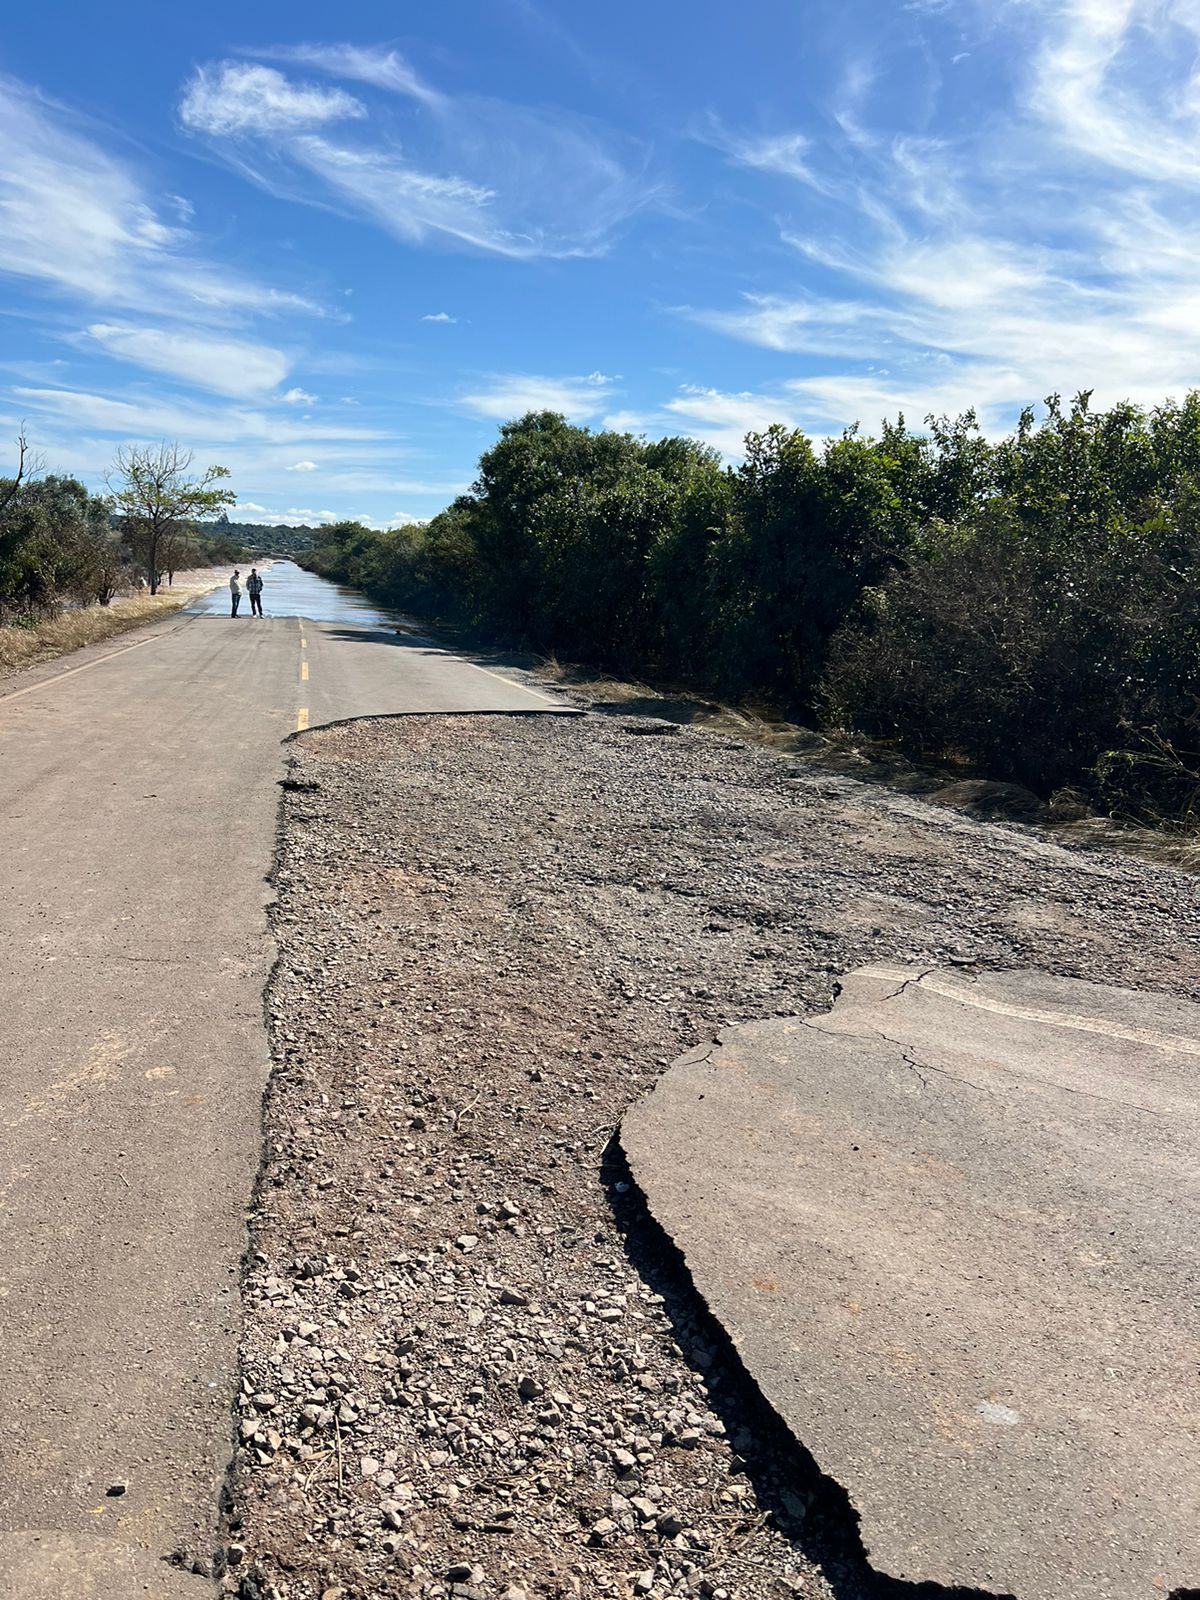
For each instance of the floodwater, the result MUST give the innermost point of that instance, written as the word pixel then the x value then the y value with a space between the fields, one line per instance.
pixel 289 591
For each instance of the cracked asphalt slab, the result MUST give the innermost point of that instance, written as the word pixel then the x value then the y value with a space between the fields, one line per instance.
pixel 472 1362
pixel 958 1254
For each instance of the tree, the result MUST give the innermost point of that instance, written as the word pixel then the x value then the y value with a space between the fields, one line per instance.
pixel 154 496
pixel 28 467
pixel 55 542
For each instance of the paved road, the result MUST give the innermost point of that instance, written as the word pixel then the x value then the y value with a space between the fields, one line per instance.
pixel 138 801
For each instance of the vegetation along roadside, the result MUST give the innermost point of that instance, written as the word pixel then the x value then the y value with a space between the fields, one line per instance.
pixel 66 555
pixel 1026 608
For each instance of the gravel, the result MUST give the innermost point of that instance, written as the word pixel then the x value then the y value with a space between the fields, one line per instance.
pixel 472 1367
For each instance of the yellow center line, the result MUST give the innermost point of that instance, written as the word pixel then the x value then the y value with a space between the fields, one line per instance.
pixel 304 672
pixel 302 719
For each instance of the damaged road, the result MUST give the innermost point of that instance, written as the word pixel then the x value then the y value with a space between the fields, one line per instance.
pixel 959 1256
pixel 471 1363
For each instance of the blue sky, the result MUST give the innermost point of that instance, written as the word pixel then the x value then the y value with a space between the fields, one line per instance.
pixel 333 247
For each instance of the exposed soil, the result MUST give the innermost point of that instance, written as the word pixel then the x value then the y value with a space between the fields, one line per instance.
pixel 472 1366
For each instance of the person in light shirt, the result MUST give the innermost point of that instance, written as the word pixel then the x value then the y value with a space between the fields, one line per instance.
pixel 235 592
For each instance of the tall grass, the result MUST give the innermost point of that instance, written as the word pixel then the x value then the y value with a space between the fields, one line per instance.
pixel 27 644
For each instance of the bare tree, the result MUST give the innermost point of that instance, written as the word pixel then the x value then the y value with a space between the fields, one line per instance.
pixel 156 498
pixel 28 466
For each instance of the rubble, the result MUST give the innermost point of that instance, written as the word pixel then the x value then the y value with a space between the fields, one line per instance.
pixel 494 933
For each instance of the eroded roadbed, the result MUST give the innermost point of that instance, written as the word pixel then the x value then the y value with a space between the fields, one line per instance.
pixel 470 1365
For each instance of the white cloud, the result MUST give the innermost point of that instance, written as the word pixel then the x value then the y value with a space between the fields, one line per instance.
pixel 784 154
pixel 251 511
pixel 77 222
pixel 411 204
pixel 720 419
pixel 1051 248
pixel 153 417
pixel 627 421
pixel 510 395
pixel 466 171
pixel 306 514
pixel 438 316
pixel 241 97
pixel 368 480
pixel 383 69
pixel 1099 84
pixel 299 397
pixel 226 366
pixel 303 466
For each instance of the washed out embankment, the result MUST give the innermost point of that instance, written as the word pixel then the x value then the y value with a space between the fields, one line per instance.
pixel 494 933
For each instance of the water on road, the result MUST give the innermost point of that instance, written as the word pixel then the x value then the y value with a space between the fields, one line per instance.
pixel 289 591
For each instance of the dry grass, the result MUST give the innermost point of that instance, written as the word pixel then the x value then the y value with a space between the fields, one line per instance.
pixel 25 647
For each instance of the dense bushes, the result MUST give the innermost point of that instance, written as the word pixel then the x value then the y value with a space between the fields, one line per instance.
pixel 1052 634
pixel 1030 606
pixel 55 544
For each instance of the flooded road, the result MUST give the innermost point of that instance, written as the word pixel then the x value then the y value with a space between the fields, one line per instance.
pixel 289 591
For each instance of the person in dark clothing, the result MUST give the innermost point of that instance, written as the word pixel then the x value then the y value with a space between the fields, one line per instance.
pixel 254 587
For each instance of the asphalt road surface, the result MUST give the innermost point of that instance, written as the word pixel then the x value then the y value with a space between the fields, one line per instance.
pixel 137 815
pixel 958 1255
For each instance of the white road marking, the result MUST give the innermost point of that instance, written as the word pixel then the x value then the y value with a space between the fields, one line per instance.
pixel 513 684
pixel 86 667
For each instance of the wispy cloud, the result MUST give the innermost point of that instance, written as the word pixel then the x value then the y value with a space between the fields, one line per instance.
pixel 438 316
pixel 786 154
pixel 383 69
pixel 131 415
pixel 1116 81
pixel 121 274
pixel 429 168
pixel 509 395
pixel 415 206
pixel 268 448
pixel 78 223
pixel 1053 249
pixel 226 366
pixel 719 418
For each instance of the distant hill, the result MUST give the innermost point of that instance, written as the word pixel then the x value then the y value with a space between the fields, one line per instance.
pixel 267 539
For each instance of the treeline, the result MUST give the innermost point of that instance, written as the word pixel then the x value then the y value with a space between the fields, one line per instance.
pixel 1028 608
pixel 61 545
pixel 267 538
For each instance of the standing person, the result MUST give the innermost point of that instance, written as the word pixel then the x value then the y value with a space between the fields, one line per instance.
pixel 254 590
pixel 235 592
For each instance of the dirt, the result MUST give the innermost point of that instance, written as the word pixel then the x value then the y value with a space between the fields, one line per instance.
pixel 471 1365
